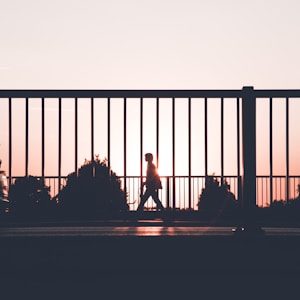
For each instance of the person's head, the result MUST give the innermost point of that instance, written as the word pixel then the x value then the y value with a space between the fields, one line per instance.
pixel 149 157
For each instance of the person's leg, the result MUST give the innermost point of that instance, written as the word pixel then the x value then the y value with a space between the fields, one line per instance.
pixel 154 195
pixel 144 198
pixel 165 216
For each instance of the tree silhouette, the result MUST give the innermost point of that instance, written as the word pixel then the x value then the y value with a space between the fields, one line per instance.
pixel 216 197
pixel 30 195
pixel 4 202
pixel 95 188
pixel 291 204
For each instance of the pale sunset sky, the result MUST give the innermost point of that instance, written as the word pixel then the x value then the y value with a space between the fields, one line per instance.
pixel 138 44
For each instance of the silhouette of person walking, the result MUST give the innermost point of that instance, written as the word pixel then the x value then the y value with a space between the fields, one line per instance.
pixel 152 183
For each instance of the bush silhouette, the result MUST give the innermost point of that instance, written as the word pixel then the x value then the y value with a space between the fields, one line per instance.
pixel 291 204
pixel 30 195
pixel 93 189
pixel 216 197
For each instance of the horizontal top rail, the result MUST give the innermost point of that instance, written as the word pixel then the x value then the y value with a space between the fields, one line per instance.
pixel 147 93
pixel 119 93
pixel 277 93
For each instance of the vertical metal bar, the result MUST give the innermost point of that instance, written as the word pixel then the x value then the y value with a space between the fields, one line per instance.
pixel 43 138
pixel 92 130
pixel 276 179
pixel 125 145
pixel 168 192
pixel 157 133
pixel 183 179
pixel 108 134
pixel 267 190
pixel 280 186
pixel 179 193
pixel 287 158
pixel 205 137
pixel 193 192
pixel 190 151
pixel 76 136
pixel 141 139
pixel 133 193
pixel 262 189
pixel 271 149
pixel 173 153
pixel 257 187
pixel 10 141
pixel 238 147
pixel 26 136
pixel 59 143
pixel 54 184
pixel 222 140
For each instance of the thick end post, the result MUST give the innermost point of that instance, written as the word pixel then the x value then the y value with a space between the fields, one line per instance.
pixel 248 162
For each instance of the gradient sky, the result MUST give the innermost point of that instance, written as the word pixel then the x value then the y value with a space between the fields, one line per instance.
pixel 165 44
pixel 137 44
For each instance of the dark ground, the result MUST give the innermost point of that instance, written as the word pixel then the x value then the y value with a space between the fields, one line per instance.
pixel 146 260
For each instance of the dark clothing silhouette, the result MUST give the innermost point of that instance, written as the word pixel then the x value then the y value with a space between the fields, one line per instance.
pixel 152 183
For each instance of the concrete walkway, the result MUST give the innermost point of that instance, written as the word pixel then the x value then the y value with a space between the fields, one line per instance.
pixel 176 230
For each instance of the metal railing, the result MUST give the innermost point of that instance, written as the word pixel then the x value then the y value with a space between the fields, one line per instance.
pixel 183 199
pixel 198 184
pixel 279 185
pixel 179 202
pixel 244 130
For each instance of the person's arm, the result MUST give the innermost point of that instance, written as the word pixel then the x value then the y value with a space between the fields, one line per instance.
pixel 151 173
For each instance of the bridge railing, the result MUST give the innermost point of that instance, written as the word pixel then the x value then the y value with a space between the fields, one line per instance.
pixel 243 114
pixel 133 184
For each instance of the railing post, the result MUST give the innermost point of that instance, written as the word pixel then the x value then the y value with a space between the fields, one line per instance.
pixel 248 160
pixel 248 204
pixel 248 148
